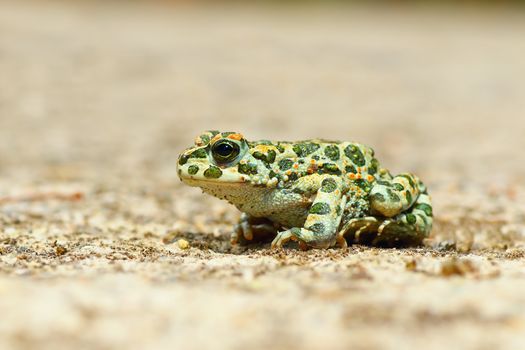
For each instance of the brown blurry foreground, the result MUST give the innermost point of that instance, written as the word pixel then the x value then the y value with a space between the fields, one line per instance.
pixel 97 100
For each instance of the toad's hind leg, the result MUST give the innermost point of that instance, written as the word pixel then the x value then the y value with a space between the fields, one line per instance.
pixel 389 198
pixel 407 228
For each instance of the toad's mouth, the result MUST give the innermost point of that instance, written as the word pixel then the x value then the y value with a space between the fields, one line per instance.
pixel 200 182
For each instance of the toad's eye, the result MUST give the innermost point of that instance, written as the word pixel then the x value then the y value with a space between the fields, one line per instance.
pixel 225 151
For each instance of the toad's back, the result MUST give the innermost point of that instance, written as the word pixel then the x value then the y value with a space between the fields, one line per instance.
pixel 293 160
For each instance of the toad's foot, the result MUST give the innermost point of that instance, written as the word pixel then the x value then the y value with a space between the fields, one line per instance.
pixel 356 229
pixel 252 229
pixel 293 234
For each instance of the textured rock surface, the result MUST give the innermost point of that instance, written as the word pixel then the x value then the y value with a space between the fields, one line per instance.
pixel 97 101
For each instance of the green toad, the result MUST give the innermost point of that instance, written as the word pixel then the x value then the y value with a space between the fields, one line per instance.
pixel 316 192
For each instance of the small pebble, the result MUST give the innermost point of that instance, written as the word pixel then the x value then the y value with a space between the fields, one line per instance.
pixel 183 244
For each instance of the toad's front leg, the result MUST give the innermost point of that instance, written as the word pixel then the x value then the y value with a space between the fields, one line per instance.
pixel 252 229
pixel 324 217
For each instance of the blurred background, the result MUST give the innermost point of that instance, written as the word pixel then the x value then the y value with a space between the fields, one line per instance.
pixel 97 99
pixel 123 84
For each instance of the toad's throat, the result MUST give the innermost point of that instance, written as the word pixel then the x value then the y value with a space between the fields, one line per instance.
pixel 281 206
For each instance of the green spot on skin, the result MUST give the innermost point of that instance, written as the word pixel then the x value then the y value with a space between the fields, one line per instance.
pixel 304 149
pixel 247 168
pixel 267 158
pixel 227 133
pixel 199 153
pixel 332 152
pixel 293 177
pixel 328 185
pixel 408 196
pixel 329 168
pixel 374 166
pixel 213 132
pixel 205 139
pixel 280 148
pixel 392 196
pixel 193 169
pixel 410 180
pixel 317 228
pixel 379 197
pixel 320 208
pixel 411 219
pixel 258 155
pixel 270 156
pixel 315 157
pixel 398 186
pixel 350 169
pixel 273 174
pixel 356 156
pixel 213 172
pixel 285 164
pixel 297 149
pixel 426 208
pixel 363 184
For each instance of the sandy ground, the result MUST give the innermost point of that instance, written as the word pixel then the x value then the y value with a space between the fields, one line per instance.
pixel 97 101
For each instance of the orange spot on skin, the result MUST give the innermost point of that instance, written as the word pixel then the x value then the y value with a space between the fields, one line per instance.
pixel 359 176
pixel 370 178
pixel 237 137
pixel 288 172
pixel 336 192
pixel 296 166
pixel 312 161
pixel 351 176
